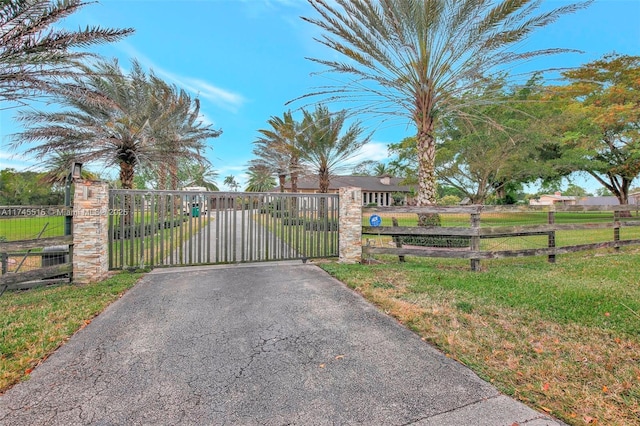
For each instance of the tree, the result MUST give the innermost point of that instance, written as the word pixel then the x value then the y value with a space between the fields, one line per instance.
pixel 575 191
pixel 58 166
pixel 27 188
pixel 230 181
pixel 404 162
pixel 260 179
pixel 111 118
pixel 203 175
pixel 276 150
pixel 33 56
pixel 178 133
pixel 415 58
pixel 322 147
pixel 599 128
pixel 497 146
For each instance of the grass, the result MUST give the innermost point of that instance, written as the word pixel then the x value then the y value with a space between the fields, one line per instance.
pixel 34 323
pixel 154 249
pixel 26 228
pixel 302 233
pixel 563 338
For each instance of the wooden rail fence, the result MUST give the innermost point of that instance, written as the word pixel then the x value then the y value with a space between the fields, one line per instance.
pixel 33 262
pixel 622 217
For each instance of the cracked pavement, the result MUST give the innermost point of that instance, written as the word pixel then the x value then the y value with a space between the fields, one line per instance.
pixel 253 344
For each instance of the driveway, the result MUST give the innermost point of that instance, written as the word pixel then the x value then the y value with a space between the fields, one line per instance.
pixel 253 344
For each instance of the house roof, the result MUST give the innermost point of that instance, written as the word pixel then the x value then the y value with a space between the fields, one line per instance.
pixel 367 183
pixel 558 197
pixel 598 201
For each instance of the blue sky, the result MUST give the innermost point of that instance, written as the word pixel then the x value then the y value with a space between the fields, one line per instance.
pixel 246 58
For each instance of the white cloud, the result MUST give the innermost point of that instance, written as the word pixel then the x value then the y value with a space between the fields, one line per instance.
pixel 222 98
pixel 375 151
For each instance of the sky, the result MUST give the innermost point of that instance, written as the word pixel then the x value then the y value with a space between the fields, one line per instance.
pixel 245 59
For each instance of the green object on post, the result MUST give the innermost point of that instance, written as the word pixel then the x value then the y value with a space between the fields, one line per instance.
pixel 195 211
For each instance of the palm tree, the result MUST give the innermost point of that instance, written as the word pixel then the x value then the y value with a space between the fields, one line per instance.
pixel 416 58
pixel 260 179
pixel 107 120
pixel 112 118
pixel 177 131
pixel 276 150
pixel 58 166
pixel 202 175
pixel 33 55
pixel 230 181
pixel 322 147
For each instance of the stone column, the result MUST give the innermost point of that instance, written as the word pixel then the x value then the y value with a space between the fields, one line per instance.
pixel 350 225
pixel 90 231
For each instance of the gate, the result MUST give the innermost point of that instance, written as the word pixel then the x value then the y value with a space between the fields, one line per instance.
pixel 174 228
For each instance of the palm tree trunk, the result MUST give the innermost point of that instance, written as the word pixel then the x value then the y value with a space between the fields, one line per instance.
pixel 427 183
pixel 126 180
pixel 126 175
pixel 282 179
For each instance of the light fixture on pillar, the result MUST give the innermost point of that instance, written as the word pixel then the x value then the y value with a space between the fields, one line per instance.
pixel 76 170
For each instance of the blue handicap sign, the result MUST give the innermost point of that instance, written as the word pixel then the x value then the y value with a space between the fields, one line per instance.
pixel 375 220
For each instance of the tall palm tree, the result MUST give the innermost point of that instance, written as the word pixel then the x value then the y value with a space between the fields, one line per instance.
pixel 112 118
pixel 33 55
pixel 276 149
pixel 177 130
pixel 415 58
pixel 106 121
pixel 322 146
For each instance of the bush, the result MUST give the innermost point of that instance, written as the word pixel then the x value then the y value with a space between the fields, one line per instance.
pixel 291 221
pixel 436 241
pixel 321 225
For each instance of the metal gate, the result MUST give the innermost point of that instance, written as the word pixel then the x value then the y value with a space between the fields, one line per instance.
pixel 172 228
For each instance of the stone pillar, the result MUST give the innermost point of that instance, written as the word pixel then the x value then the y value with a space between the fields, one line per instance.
pixel 90 231
pixel 350 225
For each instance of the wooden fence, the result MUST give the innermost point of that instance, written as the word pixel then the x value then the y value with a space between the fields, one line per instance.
pixel 33 251
pixel 463 240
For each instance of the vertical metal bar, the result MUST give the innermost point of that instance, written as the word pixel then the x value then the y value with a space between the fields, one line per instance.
pixel 243 207
pixel 132 226
pixel 122 236
pixel 200 231
pixel 551 219
pixel 173 225
pixel 208 245
pixel 181 230
pixel 154 229
pixel 110 219
pixel 217 246
pixel 234 219
pixel 162 205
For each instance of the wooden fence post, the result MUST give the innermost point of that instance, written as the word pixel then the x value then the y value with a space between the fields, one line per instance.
pixel 4 260
pixel 397 238
pixel 474 245
pixel 552 235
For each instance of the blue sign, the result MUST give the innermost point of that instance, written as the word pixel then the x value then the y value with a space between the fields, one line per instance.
pixel 375 220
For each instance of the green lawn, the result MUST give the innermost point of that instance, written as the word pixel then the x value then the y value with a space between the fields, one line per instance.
pixel 35 322
pixel 26 228
pixel 563 338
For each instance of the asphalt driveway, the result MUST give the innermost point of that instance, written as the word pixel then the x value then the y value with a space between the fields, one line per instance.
pixel 270 343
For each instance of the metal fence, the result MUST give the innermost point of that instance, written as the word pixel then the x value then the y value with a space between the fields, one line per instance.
pixel 171 228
